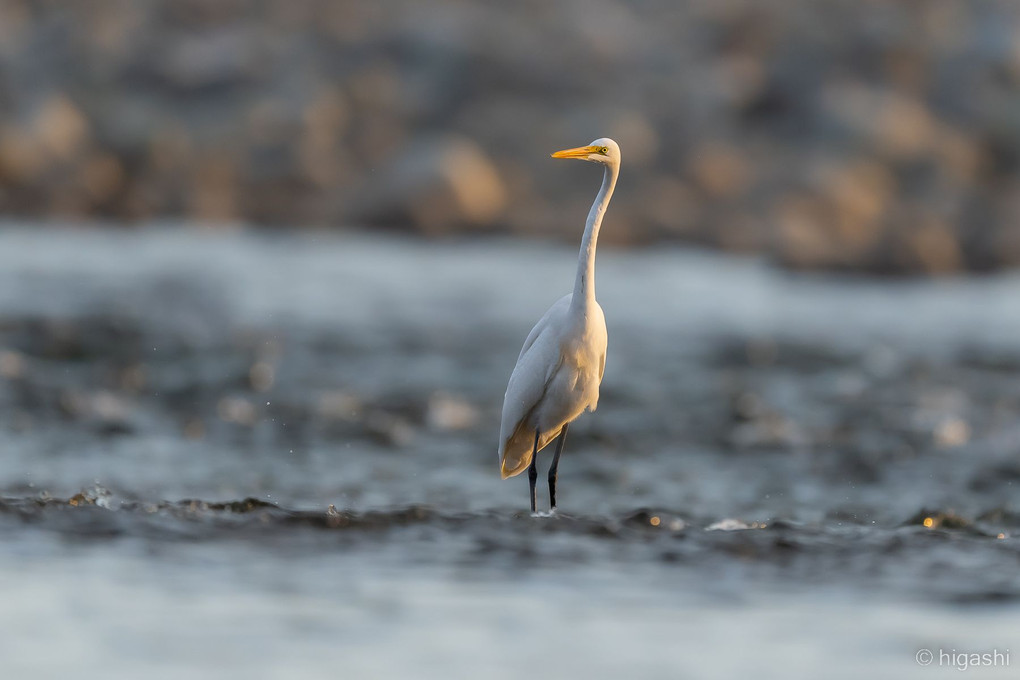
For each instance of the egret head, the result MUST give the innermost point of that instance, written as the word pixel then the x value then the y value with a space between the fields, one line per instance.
pixel 602 150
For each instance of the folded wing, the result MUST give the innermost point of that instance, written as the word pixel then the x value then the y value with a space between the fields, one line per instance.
pixel 536 367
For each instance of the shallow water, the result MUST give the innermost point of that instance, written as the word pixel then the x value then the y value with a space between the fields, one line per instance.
pixel 787 475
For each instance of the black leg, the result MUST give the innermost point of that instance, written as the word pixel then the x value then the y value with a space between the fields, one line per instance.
pixel 555 465
pixel 533 474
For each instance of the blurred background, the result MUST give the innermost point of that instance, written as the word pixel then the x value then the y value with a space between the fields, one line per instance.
pixel 266 266
pixel 875 136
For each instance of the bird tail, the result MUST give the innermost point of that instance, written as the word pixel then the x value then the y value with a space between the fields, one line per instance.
pixel 516 454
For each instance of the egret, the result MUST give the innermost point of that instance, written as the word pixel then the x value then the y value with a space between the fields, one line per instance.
pixel 560 367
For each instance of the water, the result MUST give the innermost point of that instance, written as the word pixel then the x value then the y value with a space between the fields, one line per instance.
pixel 180 409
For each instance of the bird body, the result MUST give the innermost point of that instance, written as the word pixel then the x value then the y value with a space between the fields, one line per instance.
pixel 556 378
pixel 560 367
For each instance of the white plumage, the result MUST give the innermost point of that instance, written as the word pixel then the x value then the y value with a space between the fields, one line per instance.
pixel 560 367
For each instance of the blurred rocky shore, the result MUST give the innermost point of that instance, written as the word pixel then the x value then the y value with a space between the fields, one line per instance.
pixel 846 134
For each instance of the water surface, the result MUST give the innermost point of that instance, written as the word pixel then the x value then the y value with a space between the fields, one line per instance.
pixel 267 456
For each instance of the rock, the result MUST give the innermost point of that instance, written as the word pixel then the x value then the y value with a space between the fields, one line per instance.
pixel 12 365
pixel 807 135
pixel 449 412
pixel 236 410
pixel 718 170
pixel 60 128
pixel 893 123
pixel 222 58
pixel 437 185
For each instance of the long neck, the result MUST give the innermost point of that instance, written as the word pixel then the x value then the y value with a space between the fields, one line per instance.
pixel 584 285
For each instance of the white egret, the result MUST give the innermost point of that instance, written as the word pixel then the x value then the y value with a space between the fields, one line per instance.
pixel 560 367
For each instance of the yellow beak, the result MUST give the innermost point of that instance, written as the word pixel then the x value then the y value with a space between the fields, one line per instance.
pixel 579 152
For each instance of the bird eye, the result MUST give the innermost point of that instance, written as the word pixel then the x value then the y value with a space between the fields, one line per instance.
pixel 604 150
